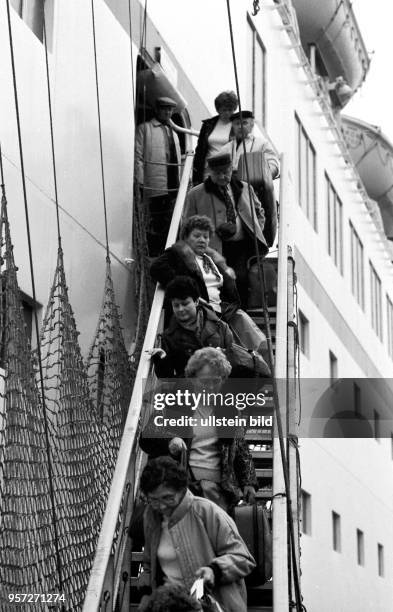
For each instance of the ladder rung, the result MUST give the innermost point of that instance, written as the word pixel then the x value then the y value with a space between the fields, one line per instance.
pixel 264 494
pixel 264 472
pixel 261 454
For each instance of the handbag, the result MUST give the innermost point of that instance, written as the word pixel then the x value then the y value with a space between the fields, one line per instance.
pixel 253 526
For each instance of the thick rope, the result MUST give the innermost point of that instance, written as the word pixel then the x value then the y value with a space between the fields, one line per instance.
pixel 46 428
pixel 298 596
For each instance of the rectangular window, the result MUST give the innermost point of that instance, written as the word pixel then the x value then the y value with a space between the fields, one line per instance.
pixel 334 225
pixel 333 367
pixel 376 301
pixel 381 561
pixel 360 546
pixel 357 267
pixel 336 524
pixel 306 173
pixel 377 426
pixel 389 324
pixel 304 334
pixel 256 73
pixel 306 512
pixel 357 400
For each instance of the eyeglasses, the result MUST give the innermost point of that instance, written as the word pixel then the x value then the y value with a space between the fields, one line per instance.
pixel 166 500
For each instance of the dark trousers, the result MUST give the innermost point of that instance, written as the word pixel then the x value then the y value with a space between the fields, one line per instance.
pixel 237 254
pixel 160 210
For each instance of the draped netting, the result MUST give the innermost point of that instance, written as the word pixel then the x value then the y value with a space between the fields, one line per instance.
pixel 109 370
pixel 79 442
pixel 144 287
pixel 27 555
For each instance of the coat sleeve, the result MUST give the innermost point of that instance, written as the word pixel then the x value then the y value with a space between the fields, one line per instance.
pixel 140 146
pixel 190 206
pixel 163 269
pixel 164 368
pixel 200 155
pixel 154 447
pixel 233 560
pixel 272 160
pixel 228 336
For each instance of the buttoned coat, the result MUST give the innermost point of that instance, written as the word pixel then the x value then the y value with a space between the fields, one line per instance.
pixel 202 534
pixel 151 156
pixel 205 199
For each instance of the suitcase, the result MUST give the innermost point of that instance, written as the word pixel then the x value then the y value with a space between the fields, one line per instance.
pixel 254 528
pixel 262 182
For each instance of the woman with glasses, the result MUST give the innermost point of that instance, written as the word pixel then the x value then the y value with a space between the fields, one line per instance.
pixel 188 537
pixel 219 462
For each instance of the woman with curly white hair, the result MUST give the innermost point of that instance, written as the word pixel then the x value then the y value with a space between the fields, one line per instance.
pixel 219 462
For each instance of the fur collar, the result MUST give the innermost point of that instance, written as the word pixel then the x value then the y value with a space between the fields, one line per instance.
pixel 183 250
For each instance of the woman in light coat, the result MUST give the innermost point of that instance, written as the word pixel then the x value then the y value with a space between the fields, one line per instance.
pixel 189 537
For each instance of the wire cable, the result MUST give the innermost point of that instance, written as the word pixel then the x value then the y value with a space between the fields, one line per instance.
pixel 41 375
pixel 100 131
pixel 275 390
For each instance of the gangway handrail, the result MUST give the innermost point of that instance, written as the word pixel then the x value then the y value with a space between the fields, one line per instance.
pixel 113 508
pixel 279 506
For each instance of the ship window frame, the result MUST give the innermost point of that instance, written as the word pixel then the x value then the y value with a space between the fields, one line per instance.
pixel 306 173
pixel 376 301
pixel 254 37
pixel 357 266
pixel 360 547
pixel 334 211
pixel 389 325
pixel 304 333
pixel 336 531
pixel 381 559
pixel 306 524
pixel 333 367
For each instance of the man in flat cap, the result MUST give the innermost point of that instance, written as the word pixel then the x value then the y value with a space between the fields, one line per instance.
pixel 226 201
pixel 242 130
pixel 157 171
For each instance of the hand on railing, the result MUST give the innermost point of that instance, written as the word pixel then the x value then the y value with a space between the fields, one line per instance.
pixel 176 446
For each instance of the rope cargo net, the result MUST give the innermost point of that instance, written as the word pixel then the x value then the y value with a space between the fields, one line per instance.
pixel 79 442
pixel 109 372
pixel 27 556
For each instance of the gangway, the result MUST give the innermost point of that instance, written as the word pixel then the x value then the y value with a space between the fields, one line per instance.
pixel 112 578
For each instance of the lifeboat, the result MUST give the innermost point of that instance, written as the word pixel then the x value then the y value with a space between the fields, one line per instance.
pixel 331 26
pixel 372 153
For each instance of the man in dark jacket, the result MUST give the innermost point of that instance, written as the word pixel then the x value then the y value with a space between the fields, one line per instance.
pixel 193 325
